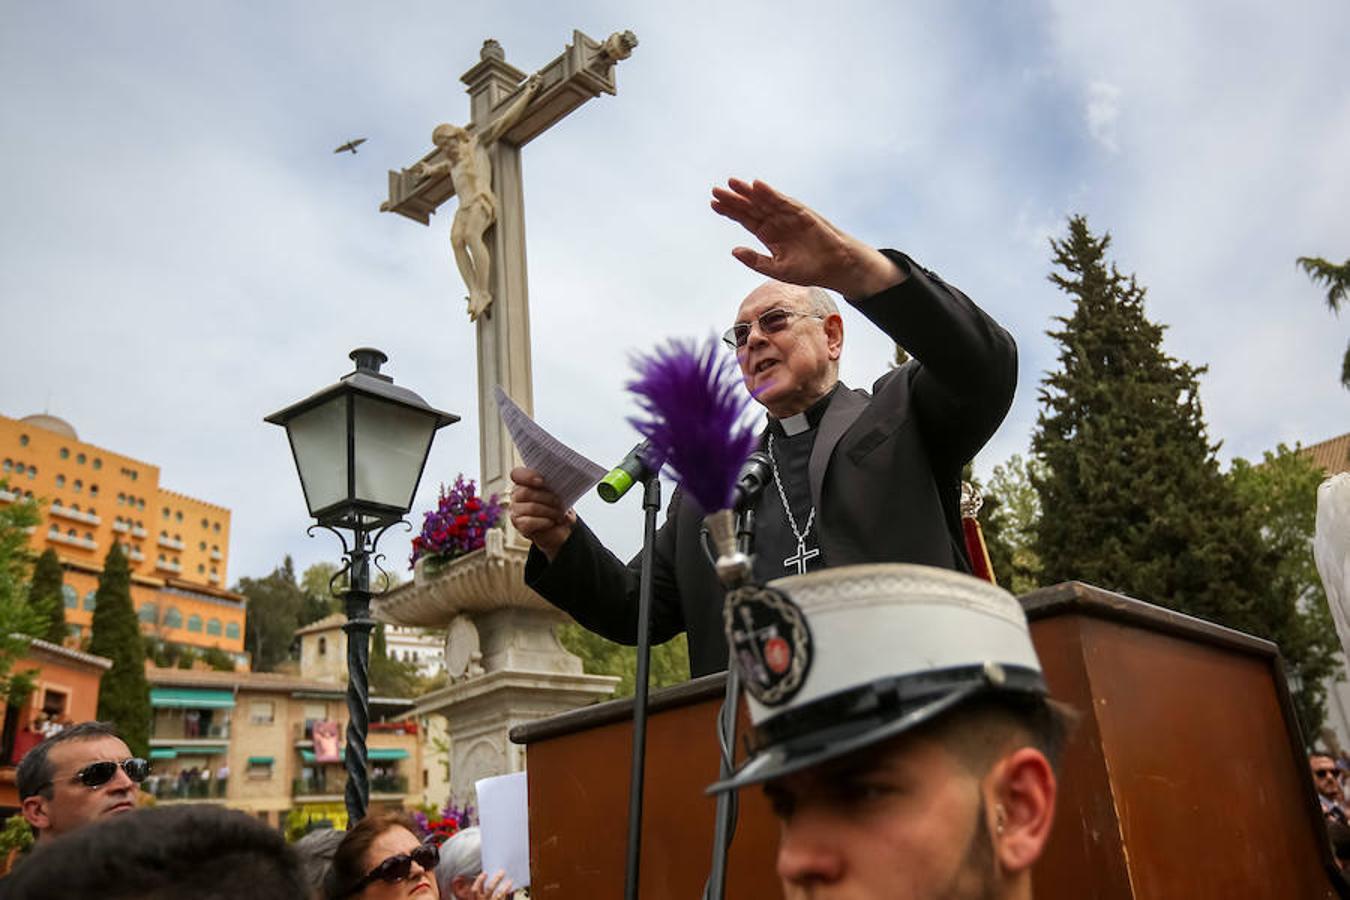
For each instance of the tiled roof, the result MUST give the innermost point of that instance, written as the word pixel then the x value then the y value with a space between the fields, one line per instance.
pixel 1331 456
pixel 249 681
pixel 327 623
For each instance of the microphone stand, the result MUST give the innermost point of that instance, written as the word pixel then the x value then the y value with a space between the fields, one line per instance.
pixel 728 802
pixel 651 504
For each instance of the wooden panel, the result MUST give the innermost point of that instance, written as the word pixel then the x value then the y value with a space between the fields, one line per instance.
pixel 579 813
pixel 1084 859
pixel 1185 779
pixel 1210 801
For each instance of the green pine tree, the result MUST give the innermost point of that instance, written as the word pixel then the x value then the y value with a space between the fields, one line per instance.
pixel 1131 495
pixel 124 695
pixel 18 620
pixel 45 596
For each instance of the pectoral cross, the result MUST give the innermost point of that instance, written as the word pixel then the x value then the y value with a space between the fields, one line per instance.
pixel 800 558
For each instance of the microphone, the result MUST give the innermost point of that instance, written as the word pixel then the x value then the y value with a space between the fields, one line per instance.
pixel 755 473
pixel 632 469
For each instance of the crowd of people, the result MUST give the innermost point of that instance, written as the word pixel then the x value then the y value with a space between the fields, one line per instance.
pixel 79 792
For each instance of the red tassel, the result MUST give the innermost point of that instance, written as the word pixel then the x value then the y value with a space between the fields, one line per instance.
pixel 976 550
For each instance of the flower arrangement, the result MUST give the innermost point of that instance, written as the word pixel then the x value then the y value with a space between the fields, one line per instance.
pixel 458 525
pixel 441 826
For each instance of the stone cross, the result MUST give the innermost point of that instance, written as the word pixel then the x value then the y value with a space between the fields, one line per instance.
pixel 582 71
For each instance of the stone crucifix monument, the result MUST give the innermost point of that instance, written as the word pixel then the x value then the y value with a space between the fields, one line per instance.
pixel 504 662
pixel 481 164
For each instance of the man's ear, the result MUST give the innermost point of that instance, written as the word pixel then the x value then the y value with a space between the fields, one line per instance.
pixel 834 335
pixel 34 810
pixel 1020 801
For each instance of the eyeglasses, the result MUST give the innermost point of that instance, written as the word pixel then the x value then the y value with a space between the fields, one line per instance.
pixel 771 322
pixel 1324 773
pixel 397 868
pixel 96 775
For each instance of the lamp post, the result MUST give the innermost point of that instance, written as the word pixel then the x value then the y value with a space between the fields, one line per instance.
pixel 360 446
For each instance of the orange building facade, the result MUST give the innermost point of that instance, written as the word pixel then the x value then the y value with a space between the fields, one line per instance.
pixel 177 546
pixel 66 686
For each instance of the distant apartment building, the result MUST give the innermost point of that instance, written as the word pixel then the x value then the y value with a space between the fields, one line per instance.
pixel 65 690
pixel 416 645
pixel 252 741
pixel 177 546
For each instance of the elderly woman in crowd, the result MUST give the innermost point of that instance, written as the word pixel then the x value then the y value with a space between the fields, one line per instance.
pixel 460 871
pixel 382 858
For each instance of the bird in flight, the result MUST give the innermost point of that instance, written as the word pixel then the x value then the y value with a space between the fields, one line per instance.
pixel 351 145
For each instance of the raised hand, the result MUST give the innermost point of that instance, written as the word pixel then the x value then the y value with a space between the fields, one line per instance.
pixel 498 889
pixel 804 247
pixel 537 513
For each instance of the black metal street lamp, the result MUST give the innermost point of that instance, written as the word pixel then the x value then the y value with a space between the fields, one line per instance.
pixel 360 446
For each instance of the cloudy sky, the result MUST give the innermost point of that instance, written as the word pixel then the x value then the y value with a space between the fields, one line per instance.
pixel 181 252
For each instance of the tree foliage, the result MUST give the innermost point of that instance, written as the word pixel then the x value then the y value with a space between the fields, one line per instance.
pixel 1011 512
pixel 1131 495
pixel 1282 492
pixel 390 677
pixel 273 608
pixel 124 694
pixel 45 597
pixel 669 661
pixel 18 620
pixel 1336 279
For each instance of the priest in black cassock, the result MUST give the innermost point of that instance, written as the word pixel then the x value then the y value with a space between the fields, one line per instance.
pixel 856 477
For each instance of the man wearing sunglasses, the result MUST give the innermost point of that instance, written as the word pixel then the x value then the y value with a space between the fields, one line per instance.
pixel 857 477
pixel 80 775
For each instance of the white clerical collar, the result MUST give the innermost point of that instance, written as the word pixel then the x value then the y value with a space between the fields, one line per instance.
pixel 795 425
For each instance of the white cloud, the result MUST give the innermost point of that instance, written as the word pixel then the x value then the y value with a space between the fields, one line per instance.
pixel 181 253
pixel 1103 112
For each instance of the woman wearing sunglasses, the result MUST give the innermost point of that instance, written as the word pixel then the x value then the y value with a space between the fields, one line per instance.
pixel 382 858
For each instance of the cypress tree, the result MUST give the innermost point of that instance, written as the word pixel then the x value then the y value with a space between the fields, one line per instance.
pixel 1131 495
pixel 124 695
pixel 45 597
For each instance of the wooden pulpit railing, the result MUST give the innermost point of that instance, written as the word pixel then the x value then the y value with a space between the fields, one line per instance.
pixel 1186 777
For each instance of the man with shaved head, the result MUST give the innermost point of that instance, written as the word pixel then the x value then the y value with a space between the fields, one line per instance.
pixel 857 477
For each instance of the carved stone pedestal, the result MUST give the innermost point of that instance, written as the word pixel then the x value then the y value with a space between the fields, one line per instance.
pixel 505 664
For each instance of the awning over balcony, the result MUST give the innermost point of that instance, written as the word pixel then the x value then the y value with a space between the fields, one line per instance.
pixel 190 698
pixel 260 760
pixel 374 754
pixel 175 752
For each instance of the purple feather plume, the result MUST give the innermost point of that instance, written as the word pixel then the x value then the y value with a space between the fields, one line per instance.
pixel 695 403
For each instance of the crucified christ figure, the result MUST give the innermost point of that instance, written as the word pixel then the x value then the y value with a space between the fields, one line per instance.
pixel 467 164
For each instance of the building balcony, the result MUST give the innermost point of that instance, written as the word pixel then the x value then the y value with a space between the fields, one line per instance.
pixel 388 784
pixel 8 496
pixel 138 531
pixel 170 787
pixel 135 555
pixel 121 527
pixel 311 788
pixel 72 541
pixel 168 565
pixel 213 578
pixel 217 555
pixel 170 543
pixel 78 515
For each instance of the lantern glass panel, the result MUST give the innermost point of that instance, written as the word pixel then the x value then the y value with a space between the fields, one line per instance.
pixel 392 442
pixel 319 440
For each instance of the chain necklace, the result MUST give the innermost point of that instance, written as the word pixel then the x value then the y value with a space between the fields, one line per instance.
pixel 800 558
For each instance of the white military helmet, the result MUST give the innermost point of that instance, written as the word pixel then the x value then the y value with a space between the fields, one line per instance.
pixel 840 659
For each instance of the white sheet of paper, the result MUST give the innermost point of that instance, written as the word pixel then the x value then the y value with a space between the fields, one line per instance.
pixel 504 827
pixel 566 471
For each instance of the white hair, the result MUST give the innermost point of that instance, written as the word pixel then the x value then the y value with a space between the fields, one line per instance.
pixel 461 855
